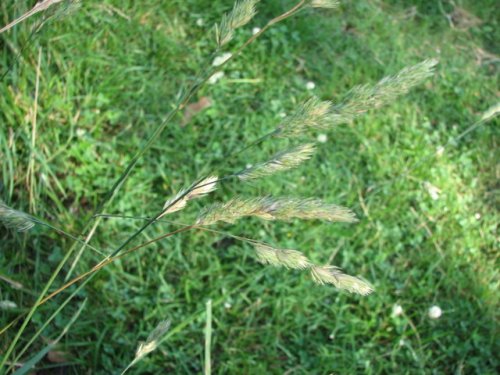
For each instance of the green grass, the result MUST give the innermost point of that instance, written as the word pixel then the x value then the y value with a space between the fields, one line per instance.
pixel 109 74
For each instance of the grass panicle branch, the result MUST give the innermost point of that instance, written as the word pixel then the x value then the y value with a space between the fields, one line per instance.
pixel 334 276
pixel 294 259
pixel 269 208
pixel 282 161
pixel 151 344
pixel 39 7
pixel 364 98
pixel 14 219
pixel 491 113
pixel 312 114
pixel 315 114
pixel 243 11
pixel 197 190
pixel 91 226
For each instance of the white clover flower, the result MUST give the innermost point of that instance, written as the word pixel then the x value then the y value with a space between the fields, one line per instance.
pixel 435 312
pixel 219 60
pixel 322 138
pixel 402 342
pixel 227 305
pixel 440 151
pixel 477 216
pixel 200 22
pixel 432 190
pixel 397 310
pixel 80 132
pixel 310 85
pixel 215 77
pixel 255 30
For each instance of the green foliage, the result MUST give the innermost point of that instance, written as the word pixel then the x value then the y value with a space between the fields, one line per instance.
pixel 109 74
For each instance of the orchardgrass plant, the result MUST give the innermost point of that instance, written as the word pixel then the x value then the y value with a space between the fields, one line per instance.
pixel 312 115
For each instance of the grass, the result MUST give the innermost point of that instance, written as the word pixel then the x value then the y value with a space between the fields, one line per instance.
pixel 110 72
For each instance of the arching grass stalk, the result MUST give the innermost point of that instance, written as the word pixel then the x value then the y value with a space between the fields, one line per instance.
pixel 183 101
pixel 199 82
pixel 86 277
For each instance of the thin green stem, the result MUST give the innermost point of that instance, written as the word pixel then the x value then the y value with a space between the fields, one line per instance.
pixel 208 339
pixel 119 182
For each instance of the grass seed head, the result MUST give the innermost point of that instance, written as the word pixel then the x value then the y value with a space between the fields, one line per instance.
pixel 333 275
pixel 153 340
pixel 282 161
pixel 13 219
pixel 315 114
pixel 198 190
pixel 321 274
pixel 281 257
pixel 269 208
pixel 361 99
pixel 243 11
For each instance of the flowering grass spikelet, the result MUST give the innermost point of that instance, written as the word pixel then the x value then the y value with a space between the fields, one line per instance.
pixel 281 257
pixel 491 113
pixel 294 259
pixel 313 114
pixel 243 11
pixel 361 99
pixel 151 343
pixel 333 275
pixel 269 208
pixel 282 161
pixel 14 219
pixel 198 190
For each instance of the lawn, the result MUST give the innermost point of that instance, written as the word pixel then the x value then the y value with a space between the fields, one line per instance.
pixel 81 93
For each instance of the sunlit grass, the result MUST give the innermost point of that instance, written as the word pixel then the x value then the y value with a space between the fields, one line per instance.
pixel 112 71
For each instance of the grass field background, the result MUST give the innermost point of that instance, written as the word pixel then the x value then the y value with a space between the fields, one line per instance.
pixel 109 73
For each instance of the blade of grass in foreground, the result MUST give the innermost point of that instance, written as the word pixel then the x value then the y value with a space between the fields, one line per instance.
pixel 119 182
pixel 29 365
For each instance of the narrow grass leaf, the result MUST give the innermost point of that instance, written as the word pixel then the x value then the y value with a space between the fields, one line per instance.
pixel 329 4
pixel 31 363
pixel 208 338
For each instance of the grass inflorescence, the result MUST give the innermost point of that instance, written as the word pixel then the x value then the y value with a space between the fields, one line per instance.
pixel 414 164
